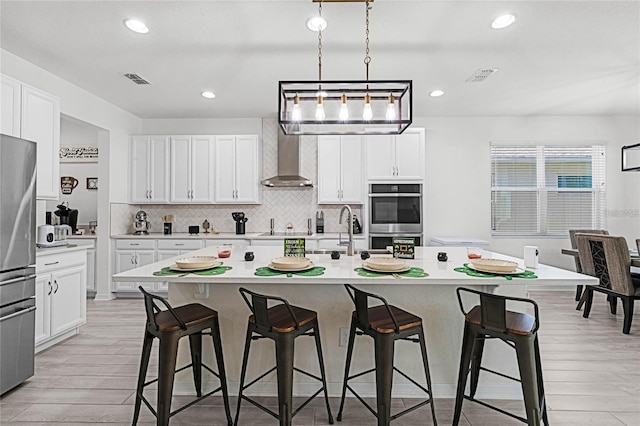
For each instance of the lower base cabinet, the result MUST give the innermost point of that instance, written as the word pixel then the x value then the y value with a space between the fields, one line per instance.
pixel 60 296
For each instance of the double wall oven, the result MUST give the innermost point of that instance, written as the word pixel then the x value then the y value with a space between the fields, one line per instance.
pixel 395 210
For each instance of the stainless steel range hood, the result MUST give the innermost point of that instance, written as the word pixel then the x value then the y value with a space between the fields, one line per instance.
pixel 288 164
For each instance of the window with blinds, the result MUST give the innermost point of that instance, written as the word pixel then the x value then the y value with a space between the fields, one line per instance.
pixel 547 190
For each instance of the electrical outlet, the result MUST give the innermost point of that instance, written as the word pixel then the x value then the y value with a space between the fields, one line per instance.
pixel 344 336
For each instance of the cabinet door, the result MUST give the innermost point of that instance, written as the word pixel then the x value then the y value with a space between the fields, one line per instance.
pixel 351 169
pixel 225 185
pixel 140 152
pixel 44 289
pixel 159 169
pixel 380 152
pixel 10 91
pixel 201 169
pixel 329 165
pixel 247 168
pixel 124 261
pixel 410 155
pixel 69 292
pixel 145 258
pixel 40 123
pixel 162 255
pixel 180 169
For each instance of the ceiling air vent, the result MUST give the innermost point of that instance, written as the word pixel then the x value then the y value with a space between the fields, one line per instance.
pixel 481 75
pixel 136 78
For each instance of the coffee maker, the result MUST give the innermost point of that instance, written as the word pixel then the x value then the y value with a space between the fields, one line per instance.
pixel 240 221
pixel 67 216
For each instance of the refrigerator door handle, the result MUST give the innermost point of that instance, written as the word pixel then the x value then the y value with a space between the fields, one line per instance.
pixel 20 312
pixel 15 280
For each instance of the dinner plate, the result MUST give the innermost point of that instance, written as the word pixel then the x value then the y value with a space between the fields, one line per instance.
pixel 197 262
pixel 291 262
pixel 386 264
pixel 300 269
pixel 386 271
pixel 518 270
pixel 494 265
pixel 202 268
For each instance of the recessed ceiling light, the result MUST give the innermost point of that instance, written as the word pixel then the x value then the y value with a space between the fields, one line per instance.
pixel 504 21
pixel 436 93
pixel 316 23
pixel 136 26
pixel 208 95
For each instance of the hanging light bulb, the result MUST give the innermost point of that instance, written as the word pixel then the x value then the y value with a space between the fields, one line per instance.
pixel 296 114
pixel 391 108
pixel 367 114
pixel 319 110
pixel 343 114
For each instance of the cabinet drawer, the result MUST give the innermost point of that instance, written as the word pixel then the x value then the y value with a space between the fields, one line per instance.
pixel 179 244
pixel 45 263
pixel 89 242
pixel 136 244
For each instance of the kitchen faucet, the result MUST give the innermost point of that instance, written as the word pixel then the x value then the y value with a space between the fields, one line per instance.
pixel 349 244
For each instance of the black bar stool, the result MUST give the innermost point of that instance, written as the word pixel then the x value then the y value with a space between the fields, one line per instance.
pixel 169 326
pixel 491 320
pixel 282 323
pixel 385 324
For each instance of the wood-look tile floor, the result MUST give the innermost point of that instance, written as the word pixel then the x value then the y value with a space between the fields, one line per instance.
pixel 591 373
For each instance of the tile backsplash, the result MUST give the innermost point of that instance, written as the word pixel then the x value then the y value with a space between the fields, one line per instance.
pixel 284 205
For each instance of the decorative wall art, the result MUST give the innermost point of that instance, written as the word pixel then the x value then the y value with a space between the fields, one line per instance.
pixel 92 183
pixel 68 184
pixel 78 154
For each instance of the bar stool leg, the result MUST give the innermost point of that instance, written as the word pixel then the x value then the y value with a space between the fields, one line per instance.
pixel 541 395
pixel 627 307
pixel 578 292
pixel 465 359
pixel 425 362
pixel 243 372
pixel 166 371
pixel 352 338
pixel 588 301
pixel 316 333
pixel 384 347
pixel 217 347
pixel 144 365
pixel 529 377
pixel 195 346
pixel 284 364
pixel 476 362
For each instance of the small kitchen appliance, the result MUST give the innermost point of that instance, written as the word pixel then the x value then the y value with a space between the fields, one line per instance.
pixel 67 216
pixel 141 225
pixel 240 221
pixel 320 222
pixel 357 228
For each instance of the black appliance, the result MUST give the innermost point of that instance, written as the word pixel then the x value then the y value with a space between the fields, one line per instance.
pixel 240 221
pixel 320 222
pixel 395 210
pixel 67 216
pixel 17 260
pixel 357 228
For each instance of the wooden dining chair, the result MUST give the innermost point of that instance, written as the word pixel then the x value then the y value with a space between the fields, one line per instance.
pixel 574 245
pixel 607 258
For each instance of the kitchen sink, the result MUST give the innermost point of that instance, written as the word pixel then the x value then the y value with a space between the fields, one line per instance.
pixel 284 234
pixel 343 250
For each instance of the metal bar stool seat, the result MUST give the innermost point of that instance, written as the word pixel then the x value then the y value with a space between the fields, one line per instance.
pixel 385 324
pixel 169 326
pixel 281 323
pixel 491 320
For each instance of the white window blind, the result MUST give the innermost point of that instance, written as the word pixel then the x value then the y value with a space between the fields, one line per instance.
pixel 547 190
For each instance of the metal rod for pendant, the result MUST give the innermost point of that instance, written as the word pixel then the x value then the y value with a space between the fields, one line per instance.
pixel 367 58
pixel 320 44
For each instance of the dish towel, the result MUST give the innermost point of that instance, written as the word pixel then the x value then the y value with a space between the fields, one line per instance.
pixel 167 272
pixel 268 272
pixel 473 273
pixel 411 273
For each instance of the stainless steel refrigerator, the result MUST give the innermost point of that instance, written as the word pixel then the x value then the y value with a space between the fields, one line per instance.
pixel 17 260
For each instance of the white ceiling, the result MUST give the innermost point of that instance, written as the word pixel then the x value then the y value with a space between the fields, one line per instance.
pixel 559 58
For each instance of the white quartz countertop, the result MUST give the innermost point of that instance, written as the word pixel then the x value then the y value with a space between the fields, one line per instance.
pixel 231 235
pixel 342 270
pixel 42 251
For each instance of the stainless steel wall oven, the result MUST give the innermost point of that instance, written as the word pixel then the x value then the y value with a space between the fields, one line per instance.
pixel 395 209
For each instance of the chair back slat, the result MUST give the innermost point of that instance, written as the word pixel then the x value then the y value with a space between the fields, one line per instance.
pixel 152 308
pixel 574 241
pixel 259 306
pixel 493 313
pixel 607 258
pixel 361 301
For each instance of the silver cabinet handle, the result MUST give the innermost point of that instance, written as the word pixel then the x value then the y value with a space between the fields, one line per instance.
pixel 52 263
pixel 146 194
pixel 135 244
pixel 136 257
pixel 50 289
pixel 56 283
pixel 133 262
pixel 150 194
pixel 179 244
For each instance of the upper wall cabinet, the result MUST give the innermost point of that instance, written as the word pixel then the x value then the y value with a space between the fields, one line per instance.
pixel 32 114
pixel 237 170
pixel 396 157
pixel 192 169
pixel 340 169
pixel 149 169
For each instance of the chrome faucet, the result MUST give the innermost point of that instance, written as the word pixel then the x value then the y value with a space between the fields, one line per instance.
pixel 349 244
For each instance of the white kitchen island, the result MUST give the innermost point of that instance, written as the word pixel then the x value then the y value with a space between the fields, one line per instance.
pixel 433 298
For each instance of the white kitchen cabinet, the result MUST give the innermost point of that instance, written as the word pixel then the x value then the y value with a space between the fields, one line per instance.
pixel 191 169
pixel 171 248
pixel 340 169
pixel 237 170
pixel 130 254
pixel 396 157
pixel 333 243
pixel 32 114
pixel 60 296
pixel 149 168
pixel 91 261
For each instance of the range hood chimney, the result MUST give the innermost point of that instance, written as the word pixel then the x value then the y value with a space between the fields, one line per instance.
pixel 288 164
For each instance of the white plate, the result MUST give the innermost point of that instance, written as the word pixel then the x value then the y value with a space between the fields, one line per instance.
pixel 494 265
pixel 386 271
pixel 386 263
pixel 517 271
pixel 179 269
pixel 306 268
pixel 197 262
pixel 291 262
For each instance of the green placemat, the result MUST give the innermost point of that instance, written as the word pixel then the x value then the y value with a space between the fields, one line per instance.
pixel 411 273
pixel 268 272
pixel 473 273
pixel 167 272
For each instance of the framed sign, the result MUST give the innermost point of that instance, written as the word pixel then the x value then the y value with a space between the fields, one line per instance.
pixel 294 247
pixel 92 183
pixel 78 154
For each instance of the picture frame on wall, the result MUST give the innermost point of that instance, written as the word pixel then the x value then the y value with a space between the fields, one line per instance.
pixel 92 183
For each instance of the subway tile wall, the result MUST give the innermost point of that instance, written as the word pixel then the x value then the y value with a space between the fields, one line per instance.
pixel 284 205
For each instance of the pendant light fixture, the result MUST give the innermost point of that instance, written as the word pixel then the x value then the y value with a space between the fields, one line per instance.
pixel 345 107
